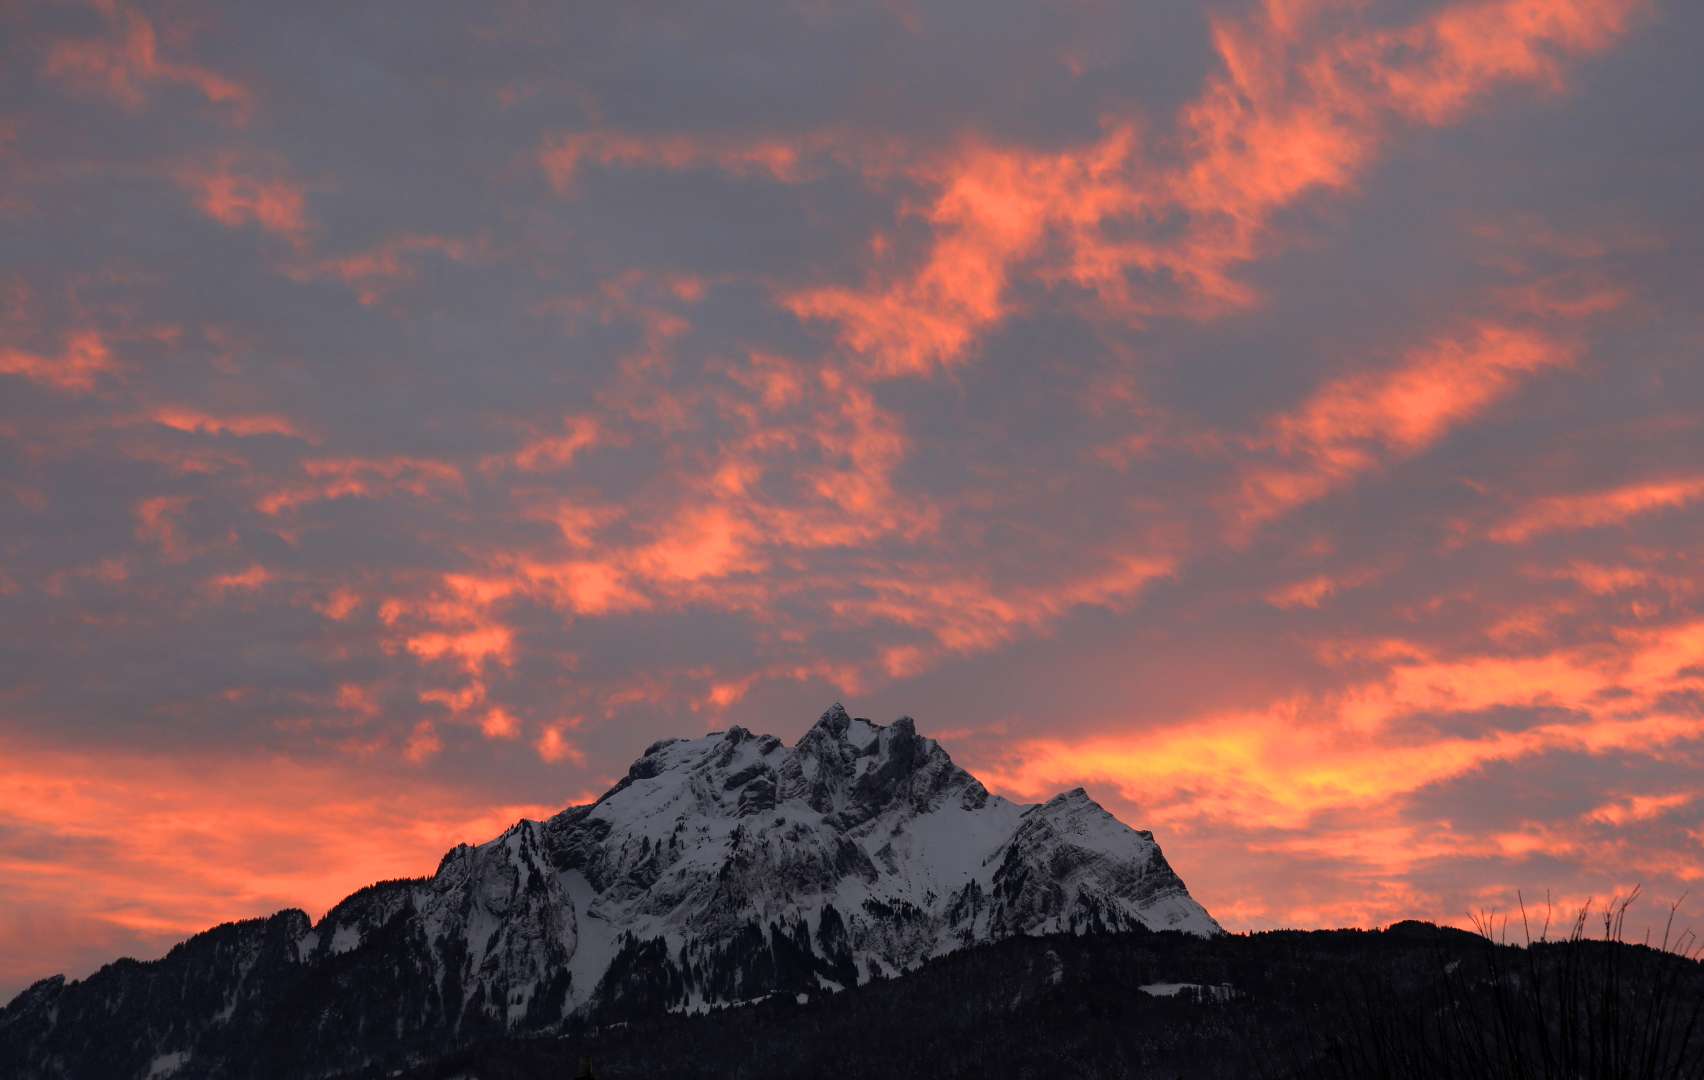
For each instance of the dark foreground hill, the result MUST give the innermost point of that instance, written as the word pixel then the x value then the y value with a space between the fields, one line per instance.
pixel 1411 1002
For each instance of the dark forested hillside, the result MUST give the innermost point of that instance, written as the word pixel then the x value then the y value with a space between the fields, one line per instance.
pixel 1414 1001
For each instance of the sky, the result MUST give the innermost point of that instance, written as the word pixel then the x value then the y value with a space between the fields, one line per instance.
pixel 1284 418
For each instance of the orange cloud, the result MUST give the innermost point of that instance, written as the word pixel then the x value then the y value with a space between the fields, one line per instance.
pixel 194 421
pixel 154 517
pixel 564 155
pixel 964 614
pixel 123 65
pixel 700 542
pixel 459 700
pixel 1408 408
pixel 84 357
pixel 1329 777
pixel 1591 509
pixel 553 747
pixel 340 602
pixel 335 478
pixel 1640 807
pixel 1312 591
pixel 362 700
pixel 994 208
pixel 1304 103
pixel 252 578
pixel 1348 426
pixel 235 190
pixel 499 724
pixel 390 261
pixel 422 743
pixel 1307 98
pixel 474 647
pixel 554 451
pixel 717 530
pixel 416 476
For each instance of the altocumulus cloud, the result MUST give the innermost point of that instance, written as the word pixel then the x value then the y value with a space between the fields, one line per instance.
pixel 1283 417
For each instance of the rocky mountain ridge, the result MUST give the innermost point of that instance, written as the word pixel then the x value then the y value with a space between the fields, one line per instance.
pixel 719 870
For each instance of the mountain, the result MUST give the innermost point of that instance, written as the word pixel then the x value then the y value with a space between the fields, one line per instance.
pixel 719 870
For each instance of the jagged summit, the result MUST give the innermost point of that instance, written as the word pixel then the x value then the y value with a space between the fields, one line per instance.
pixel 719 869
pixel 863 847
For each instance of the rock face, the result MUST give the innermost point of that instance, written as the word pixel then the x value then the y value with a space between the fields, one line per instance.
pixel 718 870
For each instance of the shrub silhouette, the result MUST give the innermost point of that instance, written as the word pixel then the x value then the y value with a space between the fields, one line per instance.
pixel 1573 1008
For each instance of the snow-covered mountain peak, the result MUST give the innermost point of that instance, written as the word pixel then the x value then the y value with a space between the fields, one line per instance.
pixel 721 869
pixel 862 835
pixel 850 770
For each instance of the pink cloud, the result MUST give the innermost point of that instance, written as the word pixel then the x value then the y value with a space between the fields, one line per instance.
pixel 237 190
pixel 125 64
pixel 84 357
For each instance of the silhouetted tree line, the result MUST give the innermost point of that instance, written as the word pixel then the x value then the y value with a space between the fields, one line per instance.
pixel 1414 1001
